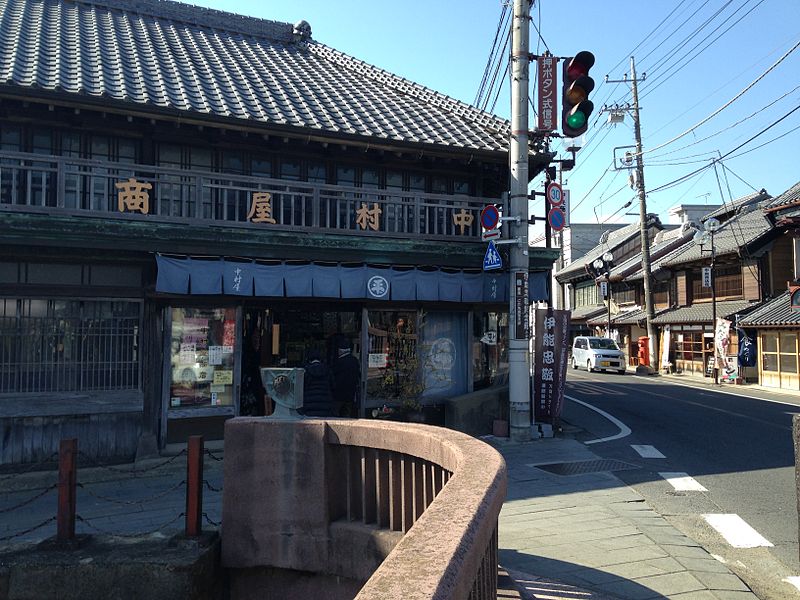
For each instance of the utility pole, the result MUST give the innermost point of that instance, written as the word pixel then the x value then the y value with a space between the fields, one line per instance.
pixel 519 371
pixel 645 240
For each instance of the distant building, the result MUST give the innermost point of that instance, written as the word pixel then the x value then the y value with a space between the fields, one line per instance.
pixel 684 213
pixel 579 238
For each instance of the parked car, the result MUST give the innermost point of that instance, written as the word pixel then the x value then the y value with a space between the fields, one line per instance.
pixel 597 353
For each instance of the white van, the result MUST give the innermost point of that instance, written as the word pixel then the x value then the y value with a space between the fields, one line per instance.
pixel 597 353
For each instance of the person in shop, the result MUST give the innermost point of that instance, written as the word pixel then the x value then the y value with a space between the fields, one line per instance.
pixel 252 401
pixel 346 380
pixel 317 387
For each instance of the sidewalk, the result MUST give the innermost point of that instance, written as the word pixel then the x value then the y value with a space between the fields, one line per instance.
pixel 591 531
pixel 560 535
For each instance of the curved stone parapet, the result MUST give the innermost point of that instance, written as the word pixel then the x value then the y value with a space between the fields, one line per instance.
pixel 337 497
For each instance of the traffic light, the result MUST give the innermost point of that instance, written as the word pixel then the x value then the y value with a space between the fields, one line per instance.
pixel 576 106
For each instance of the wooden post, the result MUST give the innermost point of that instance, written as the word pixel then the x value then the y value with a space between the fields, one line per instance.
pixel 194 486
pixel 67 482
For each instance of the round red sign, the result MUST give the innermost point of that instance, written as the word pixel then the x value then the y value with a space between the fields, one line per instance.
pixel 555 195
pixel 490 217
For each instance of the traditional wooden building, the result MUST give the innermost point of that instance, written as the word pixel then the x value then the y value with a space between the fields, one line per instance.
pixel 773 329
pixel 188 195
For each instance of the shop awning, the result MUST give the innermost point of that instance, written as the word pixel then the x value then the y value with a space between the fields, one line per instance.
pixel 311 280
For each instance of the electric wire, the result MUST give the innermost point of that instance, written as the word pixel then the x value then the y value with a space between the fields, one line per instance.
pixel 729 102
pixel 491 59
pixel 695 172
pixel 675 62
pixel 677 67
pixel 716 133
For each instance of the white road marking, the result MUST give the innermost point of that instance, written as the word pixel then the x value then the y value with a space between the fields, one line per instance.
pixel 647 451
pixel 736 531
pixel 794 580
pixel 624 430
pixel 682 482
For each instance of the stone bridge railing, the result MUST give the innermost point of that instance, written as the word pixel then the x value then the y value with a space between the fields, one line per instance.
pixel 365 509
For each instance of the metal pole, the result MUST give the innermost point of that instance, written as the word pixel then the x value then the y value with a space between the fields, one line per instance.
pixel 67 482
pixel 608 301
pixel 519 388
pixel 645 241
pixel 714 313
pixel 194 486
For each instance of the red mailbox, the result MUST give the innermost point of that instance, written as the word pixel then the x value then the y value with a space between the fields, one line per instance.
pixel 644 351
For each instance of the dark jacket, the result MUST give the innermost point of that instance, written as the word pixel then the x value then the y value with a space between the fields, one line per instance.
pixel 317 396
pixel 346 379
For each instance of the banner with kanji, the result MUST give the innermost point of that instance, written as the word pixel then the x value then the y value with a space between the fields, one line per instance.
pixel 551 346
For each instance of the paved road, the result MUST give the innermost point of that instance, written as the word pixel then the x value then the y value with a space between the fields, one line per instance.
pixel 725 452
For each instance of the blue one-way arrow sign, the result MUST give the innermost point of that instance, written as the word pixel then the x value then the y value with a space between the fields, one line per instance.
pixel 492 260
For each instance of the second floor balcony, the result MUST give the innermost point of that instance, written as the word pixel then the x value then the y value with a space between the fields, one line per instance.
pixel 53 185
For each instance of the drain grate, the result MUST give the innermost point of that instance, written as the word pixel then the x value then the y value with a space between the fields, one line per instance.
pixel 586 466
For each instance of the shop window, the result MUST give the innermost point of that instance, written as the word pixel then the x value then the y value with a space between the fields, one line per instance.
pixel 317 172
pixel 461 187
pixel 769 352
pixel 69 345
pixel 394 180
pixel 202 350
pixel 369 178
pixel 346 175
pixel 393 364
pixel 438 185
pixel 290 169
pixel 489 348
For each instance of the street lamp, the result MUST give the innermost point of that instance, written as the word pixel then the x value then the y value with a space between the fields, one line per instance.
pixel 703 238
pixel 603 266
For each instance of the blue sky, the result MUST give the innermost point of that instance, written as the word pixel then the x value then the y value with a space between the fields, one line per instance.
pixel 445 44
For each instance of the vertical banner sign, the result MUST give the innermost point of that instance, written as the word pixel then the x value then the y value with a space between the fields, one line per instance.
pixel 548 83
pixel 707 277
pixel 666 338
pixel 747 347
pixel 550 363
pixel 721 341
pixel 522 324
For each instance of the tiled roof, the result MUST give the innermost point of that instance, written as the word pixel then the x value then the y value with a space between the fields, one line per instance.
pixel 613 239
pixel 773 313
pixel 166 56
pixel 701 312
pixel 735 233
pixel 738 205
pixel 787 198
pixel 586 312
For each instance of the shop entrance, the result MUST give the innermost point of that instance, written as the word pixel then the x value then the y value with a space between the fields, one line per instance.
pixel 282 336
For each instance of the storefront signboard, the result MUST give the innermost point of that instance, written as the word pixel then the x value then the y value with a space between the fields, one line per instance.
pixel 551 345
pixel 522 324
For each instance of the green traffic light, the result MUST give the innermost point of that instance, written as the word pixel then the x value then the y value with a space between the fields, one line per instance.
pixel 576 120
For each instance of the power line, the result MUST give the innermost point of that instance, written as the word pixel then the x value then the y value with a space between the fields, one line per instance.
pixel 677 67
pixel 716 133
pixel 695 172
pixel 731 101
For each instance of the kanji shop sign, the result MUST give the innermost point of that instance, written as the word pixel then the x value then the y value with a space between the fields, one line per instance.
pixel 548 83
pixel 134 196
pixel 551 344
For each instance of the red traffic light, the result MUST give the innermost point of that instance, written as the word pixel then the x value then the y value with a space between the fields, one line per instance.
pixel 580 64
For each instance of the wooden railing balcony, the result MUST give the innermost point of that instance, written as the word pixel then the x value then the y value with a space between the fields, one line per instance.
pixel 62 185
pixel 400 511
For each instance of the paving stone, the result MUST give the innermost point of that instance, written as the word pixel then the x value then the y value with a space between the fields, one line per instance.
pixel 722 581
pixel 703 565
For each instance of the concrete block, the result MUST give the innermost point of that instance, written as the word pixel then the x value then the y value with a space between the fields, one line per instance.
pixel 274 505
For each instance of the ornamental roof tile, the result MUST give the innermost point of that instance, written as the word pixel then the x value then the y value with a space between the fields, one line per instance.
pixel 773 313
pixel 164 55
pixel 701 312
pixel 737 232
